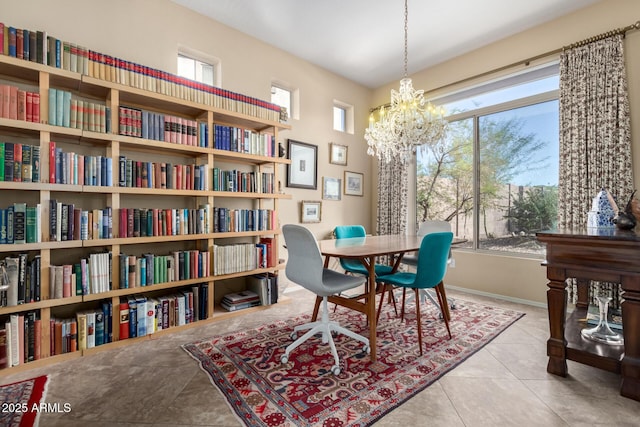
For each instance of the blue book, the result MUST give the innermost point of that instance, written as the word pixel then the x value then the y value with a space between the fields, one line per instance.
pixel 3 226
pixel 108 322
pixel 58 53
pixel 60 94
pixel 66 109
pixel 109 180
pixel 143 271
pixel 141 324
pixel 12 42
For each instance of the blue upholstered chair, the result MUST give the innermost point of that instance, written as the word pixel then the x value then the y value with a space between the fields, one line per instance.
pixel 427 227
pixel 353 265
pixel 430 271
pixel 305 267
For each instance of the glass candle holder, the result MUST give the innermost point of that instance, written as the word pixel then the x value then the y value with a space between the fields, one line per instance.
pixel 602 333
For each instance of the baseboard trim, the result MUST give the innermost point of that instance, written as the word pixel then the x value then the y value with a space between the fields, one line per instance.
pixel 498 296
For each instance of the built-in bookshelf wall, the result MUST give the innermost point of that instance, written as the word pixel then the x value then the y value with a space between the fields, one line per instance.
pixel 118 214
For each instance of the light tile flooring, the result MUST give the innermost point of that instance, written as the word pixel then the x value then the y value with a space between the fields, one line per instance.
pixel 156 383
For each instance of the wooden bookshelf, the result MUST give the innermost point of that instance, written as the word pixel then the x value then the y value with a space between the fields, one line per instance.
pixel 113 145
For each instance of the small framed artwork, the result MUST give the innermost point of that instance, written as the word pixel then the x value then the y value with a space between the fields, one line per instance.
pixel 338 154
pixel 303 170
pixel 311 211
pixel 331 188
pixel 353 182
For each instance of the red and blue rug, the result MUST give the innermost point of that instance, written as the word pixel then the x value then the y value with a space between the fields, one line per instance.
pixel 21 402
pixel 246 368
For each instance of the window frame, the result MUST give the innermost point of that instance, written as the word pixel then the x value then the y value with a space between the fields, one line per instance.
pixel 475 115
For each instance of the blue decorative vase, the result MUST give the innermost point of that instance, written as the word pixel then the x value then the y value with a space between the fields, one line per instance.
pixel 603 211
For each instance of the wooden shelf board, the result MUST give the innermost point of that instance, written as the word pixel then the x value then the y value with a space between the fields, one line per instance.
pixel 152 145
pixel 247 195
pixel 149 288
pixel 247 158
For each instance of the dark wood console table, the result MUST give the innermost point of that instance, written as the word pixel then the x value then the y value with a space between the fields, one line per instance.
pixel 609 255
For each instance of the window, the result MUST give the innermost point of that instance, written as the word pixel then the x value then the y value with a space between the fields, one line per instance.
pixel 495 177
pixel 339 118
pixel 282 97
pixel 342 117
pixel 204 71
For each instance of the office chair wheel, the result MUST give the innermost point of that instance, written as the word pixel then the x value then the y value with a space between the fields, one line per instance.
pixel 335 370
pixel 293 336
pixel 366 349
pixel 284 359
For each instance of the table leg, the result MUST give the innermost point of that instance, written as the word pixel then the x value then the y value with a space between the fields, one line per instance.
pixel 630 366
pixel 557 308
pixel 371 304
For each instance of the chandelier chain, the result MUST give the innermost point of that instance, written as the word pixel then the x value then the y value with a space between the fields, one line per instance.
pixel 406 43
pixel 409 121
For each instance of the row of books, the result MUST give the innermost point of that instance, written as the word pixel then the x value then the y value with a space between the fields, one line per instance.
pixel 70 56
pixel 239 181
pixel 140 174
pixel 76 113
pixel 21 278
pixel 240 140
pixel 141 316
pixel 20 224
pixel 89 276
pixel 239 257
pixel 78 169
pixel 18 104
pixel 66 222
pixel 232 220
pixel 141 222
pixel 161 127
pixel 20 340
pixel 19 162
pixel 150 269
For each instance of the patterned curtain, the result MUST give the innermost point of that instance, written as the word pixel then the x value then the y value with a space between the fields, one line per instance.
pixel 392 197
pixel 595 137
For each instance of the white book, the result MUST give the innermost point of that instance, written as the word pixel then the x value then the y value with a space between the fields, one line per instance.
pixel 15 344
pixel 151 315
pixel 141 307
pixel 181 310
pixel 91 329
pixel 11 266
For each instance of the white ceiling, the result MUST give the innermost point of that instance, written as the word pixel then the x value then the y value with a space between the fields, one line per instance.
pixel 363 40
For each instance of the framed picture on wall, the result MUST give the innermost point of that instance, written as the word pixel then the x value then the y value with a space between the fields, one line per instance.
pixel 353 183
pixel 331 188
pixel 303 170
pixel 311 211
pixel 338 154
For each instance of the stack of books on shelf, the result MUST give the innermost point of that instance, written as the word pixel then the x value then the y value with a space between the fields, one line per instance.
pixel 20 340
pixel 20 224
pixel 265 285
pixel 19 162
pixel 76 113
pixel 135 173
pixel 18 104
pixel 136 222
pixel 77 169
pixel 240 300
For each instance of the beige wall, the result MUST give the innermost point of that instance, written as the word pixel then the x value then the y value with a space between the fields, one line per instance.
pixel 149 32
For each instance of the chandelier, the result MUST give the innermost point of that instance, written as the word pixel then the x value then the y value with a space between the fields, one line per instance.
pixel 408 122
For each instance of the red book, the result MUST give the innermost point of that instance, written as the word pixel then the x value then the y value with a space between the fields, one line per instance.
pixel 22 105
pixel 52 162
pixel 66 280
pixel 73 336
pixel 17 162
pixel 29 114
pixel 36 107
pixel 19 43
pixel 124 321
pixel 13 102
pixel 6 100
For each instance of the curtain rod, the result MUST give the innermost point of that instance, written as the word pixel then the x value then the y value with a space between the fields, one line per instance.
pixel 526 62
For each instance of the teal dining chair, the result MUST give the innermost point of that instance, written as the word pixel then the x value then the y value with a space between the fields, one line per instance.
pixel 354 266
pixel 428 227
pixel 430 271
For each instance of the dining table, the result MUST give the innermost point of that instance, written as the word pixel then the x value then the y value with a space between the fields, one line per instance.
pixel 367 250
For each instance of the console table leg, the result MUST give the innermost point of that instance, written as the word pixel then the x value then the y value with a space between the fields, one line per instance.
pixel 630 366
pixel 557 308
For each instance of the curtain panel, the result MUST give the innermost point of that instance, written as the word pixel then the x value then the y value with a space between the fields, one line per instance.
pixel 392 197
pixel 595 136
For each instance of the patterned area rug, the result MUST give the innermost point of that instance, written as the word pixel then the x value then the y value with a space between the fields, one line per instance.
pixel 21 400
pixel 246 366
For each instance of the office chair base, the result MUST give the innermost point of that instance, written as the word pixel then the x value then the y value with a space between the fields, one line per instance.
pixel 325 327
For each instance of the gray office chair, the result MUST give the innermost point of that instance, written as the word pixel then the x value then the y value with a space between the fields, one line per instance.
pixel 427 227
pixel 305 267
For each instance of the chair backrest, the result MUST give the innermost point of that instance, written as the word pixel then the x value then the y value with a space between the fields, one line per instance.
pixel 432 259
pixel 304 265
pixel 433 226
pixel 346 231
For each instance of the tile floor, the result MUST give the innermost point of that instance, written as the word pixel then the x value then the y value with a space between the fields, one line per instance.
pixel 156 383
